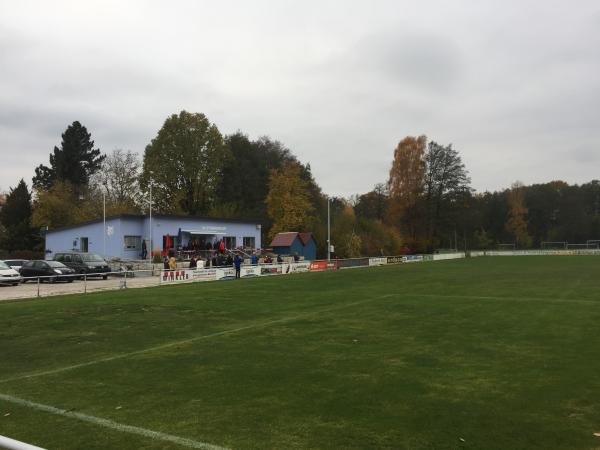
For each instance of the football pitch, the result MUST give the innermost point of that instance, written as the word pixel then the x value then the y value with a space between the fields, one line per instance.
pixel 480 353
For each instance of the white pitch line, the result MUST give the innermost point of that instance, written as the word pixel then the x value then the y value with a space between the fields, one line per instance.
pixel 511 298
pixel 111 424
pixel 187 341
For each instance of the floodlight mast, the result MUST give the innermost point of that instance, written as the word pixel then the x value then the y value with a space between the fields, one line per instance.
pixel 150 221
pixel 104 224
pixel 328 231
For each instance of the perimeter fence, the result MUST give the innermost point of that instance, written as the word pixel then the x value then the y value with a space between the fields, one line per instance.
pixel 137 274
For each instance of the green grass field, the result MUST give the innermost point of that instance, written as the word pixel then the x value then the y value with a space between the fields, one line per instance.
pixel 482 353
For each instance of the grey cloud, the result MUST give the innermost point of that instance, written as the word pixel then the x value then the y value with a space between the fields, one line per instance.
pixel 424 61
pixel 339 83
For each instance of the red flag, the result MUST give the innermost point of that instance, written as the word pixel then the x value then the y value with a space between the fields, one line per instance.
pixel 167 244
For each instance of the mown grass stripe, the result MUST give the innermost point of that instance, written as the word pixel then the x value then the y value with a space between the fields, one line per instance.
pixel 192 339
pixel 509 298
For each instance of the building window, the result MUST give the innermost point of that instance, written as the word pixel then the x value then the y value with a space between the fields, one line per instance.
pixel 249 242
pixel 229 242
pixel 83 244
pixel 133 243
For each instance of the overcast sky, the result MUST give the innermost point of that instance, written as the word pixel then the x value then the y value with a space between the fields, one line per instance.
pixel 514 85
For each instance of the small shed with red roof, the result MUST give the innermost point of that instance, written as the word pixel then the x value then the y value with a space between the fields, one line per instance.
pixel 292 242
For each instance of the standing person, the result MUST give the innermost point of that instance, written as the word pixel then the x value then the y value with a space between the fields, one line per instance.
pixel 237 262
pixel 221 246
pixel 193 262
pixel 172 263
pixel 254 259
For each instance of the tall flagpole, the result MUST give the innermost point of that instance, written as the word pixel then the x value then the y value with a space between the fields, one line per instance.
pixel 328 232
pixel 151 220
pixel 104 226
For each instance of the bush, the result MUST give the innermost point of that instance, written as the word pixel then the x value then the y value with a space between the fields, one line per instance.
pixel 21 254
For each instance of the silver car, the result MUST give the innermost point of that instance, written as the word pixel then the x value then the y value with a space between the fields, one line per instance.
pixel 15 263
pixel 8 275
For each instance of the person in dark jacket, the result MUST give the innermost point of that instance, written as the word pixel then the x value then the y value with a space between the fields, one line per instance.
pixel 193 262
pixel 237 262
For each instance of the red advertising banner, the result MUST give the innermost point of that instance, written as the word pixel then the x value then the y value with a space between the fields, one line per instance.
pixel 323 265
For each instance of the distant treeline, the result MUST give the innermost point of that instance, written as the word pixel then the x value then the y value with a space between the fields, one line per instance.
pixel 426 204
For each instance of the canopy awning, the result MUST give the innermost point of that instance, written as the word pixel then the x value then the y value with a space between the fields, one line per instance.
pixel 203 232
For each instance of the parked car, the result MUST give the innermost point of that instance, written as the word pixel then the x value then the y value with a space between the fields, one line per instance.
pixel 84 263
pixel 8 275
pixel 15 263
pixel 52 270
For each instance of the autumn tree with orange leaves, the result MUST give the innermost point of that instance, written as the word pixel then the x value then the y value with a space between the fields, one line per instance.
pixel 405 186
pixel 516 224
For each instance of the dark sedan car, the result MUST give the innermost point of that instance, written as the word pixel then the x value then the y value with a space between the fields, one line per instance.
pixel 52 270
pixel 88 263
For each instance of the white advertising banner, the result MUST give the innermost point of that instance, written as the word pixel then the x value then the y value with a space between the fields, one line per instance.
pixel 377 261
pixel 442 256
pixel 204 274
pixel 303 266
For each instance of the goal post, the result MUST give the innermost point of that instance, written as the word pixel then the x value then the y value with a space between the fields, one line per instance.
pixel 554 245
pixel 593 243
pixel 586 246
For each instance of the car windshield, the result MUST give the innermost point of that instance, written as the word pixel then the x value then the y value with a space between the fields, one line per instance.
pixel 92 257
pixel 3 265
pixel 55 264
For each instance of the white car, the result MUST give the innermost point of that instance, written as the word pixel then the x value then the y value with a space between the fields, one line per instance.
pixel 9 275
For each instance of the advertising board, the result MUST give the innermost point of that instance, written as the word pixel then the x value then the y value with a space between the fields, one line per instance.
pixel 172 276
pixel 354 262
pixel 225 273
pixel 395 259
pixel 323 265
pixel 377 261
pixel 443 256
pixel 204 274
pixel 270 269
pixel 412 258
pixel 249 271
pixel 302 266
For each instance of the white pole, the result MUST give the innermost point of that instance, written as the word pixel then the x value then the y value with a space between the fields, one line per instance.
pixel 150 253
pixel 328 232
pixel 104 225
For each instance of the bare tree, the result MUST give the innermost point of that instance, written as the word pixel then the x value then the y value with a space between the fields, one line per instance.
pixel 118 179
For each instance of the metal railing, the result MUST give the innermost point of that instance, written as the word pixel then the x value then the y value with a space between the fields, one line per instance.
pixel 12 444
pixel 129 277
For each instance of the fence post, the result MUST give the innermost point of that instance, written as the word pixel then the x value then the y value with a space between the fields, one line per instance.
pixel 38 286
pixel 85 283
pixel 125 278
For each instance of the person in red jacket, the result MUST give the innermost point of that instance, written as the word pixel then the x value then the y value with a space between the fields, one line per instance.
pixel 221 246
